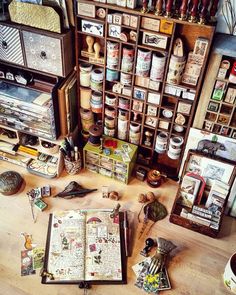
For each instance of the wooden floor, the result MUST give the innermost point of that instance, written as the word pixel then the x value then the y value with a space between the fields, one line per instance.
pixel 195 268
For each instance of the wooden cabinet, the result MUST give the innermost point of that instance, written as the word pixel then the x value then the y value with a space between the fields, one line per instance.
pixel 47 52
pixel 217 106
pixel 111 165
pixel 140 102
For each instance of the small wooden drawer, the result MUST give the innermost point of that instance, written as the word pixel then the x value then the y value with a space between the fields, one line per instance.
pixel 10 45
pixel 43 53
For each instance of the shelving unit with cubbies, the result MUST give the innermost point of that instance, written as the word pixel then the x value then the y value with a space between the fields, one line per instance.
pixel 133 101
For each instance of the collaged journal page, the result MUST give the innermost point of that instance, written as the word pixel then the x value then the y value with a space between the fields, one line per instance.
pixel 103 247
pixel 67 245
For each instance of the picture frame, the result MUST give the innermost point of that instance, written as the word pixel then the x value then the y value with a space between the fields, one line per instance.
pixel 151 121
pixel 213 106
pixel 93 28
pixel 154 40
pixel 139 93
pixel 114 31
pixel 211 169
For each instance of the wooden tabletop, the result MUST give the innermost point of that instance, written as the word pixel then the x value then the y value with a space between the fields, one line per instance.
pixel 195 267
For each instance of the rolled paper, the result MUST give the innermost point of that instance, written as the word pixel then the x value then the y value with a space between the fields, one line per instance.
pixel 158 66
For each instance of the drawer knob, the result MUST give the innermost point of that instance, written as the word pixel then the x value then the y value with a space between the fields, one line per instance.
pixel 4 44
pixel 43 55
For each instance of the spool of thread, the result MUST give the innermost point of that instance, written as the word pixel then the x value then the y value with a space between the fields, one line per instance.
pixel 110 99
pixel 158 66
pixel 95 133
pixel 112 75
pixel 154 178
pixel 96 102
pixel 85 96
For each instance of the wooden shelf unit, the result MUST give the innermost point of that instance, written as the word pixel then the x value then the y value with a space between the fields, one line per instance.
pixel 188 32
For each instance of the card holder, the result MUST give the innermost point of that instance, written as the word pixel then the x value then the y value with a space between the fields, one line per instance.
pixel 37 16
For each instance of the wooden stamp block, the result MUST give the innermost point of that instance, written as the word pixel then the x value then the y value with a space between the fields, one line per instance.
pixel 117 18
pixel 166 26
pixel 150 24
pixel 133 21
pixel 126 19
pixel 131 4
pixel 114 31
pixel 155 40
pixel 86 9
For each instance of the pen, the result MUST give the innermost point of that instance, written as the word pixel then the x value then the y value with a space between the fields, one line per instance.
pixel 126 234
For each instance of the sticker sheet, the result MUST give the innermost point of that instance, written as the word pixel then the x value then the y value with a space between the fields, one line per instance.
pixel 27 263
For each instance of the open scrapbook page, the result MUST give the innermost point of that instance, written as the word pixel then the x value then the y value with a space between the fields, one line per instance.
pixel 84 245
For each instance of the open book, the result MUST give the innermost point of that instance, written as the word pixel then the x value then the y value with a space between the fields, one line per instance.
pixel 84 245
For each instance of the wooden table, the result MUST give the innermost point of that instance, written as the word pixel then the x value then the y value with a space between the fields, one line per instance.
pixel 196 265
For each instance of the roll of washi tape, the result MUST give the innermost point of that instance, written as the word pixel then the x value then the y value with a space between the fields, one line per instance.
pixel 112 55
pixel 123 115
pixel 109 131
pixel 125 79
pixel 128 53
pixel 127 66
pixel 124 36
pixel 97 75
pixel 158 66
pixel 173 156
pixel 85 67
pixel 176 69
pixel 167 113
pixel 85 78
pixel 110 111
pixel 134 137
pixel 161 142
pixel 85 135
pixel 110 99
pixel 95 133
pixel 96 86
pixel 124 103
pixel 174 150
pixel 109 122
pixel 85 96
pixel 101 13
pixel 112 75
pixel 176 142
pixel 178 128
pixel 87 119
pixel 134 127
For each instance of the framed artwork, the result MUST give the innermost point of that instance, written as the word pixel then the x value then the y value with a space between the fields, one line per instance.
pixel 211 169
pixel 92 27
pixel 139 93
pixel 155 40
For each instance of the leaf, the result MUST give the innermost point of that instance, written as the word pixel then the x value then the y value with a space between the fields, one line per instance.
pixel 155 211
